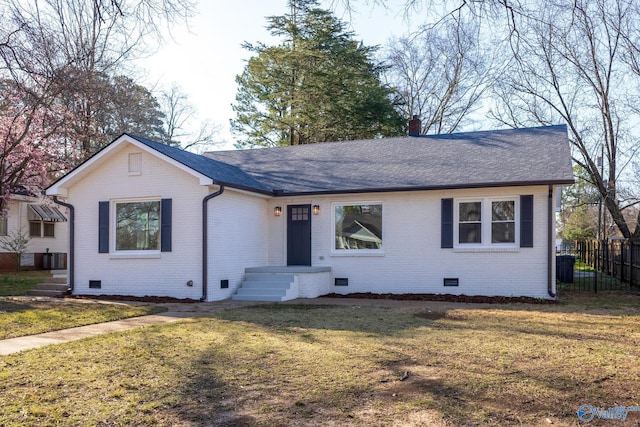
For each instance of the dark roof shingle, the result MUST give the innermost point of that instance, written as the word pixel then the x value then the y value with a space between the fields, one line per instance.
pixel 219 172
pixel 473 159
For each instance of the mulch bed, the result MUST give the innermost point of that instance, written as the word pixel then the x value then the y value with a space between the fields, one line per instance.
pixel 444 297
pixel 146 298
pixel 478 299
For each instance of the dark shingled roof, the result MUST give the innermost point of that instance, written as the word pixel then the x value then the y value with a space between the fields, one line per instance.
pixel 221 173
pixel 473 159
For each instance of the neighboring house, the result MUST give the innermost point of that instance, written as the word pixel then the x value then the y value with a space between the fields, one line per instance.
pixel 43 223
pixel 468 213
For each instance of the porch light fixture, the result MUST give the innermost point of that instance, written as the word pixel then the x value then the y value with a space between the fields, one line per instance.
pixel 316 209
pixel 277 211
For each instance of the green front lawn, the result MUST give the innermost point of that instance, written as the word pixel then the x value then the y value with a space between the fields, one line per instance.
pixel 297 364
pixel 19 283
pixel 26 316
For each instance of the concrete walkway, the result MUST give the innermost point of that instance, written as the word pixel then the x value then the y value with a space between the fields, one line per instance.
pixel 181 311
pixel 176 311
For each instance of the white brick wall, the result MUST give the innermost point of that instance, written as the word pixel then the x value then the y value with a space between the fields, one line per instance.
pixel 237 239
pixel 413 261
pixel 166 275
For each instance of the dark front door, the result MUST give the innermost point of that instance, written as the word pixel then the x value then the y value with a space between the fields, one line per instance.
pixel 299 235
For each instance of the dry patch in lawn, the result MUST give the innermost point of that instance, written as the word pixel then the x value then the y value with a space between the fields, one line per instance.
pixel 436 365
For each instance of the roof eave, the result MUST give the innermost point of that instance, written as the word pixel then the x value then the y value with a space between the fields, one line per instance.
pixel 245 188
pixel 281 193
pixel 60 187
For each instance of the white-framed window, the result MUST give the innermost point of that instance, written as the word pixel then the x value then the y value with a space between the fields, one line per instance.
pixel 486 222
pixel 137 225
pixel 503 221
pixel 358 228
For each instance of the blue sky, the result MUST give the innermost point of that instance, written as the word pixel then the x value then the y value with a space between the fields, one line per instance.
pixel 204 59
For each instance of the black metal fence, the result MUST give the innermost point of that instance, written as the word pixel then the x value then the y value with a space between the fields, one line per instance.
pixel 599 265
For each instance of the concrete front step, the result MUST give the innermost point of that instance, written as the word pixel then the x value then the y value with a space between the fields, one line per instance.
pixel 256 297
pixel 56 279
pixel 58 273
pixel 46 293
pixel 268 277
pixel 263 291
pixel 267 286
pixel 48 286
pixel 51 287
pixel 259 284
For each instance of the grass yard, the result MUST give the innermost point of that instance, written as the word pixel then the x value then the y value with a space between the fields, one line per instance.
pixel 28 316
pixel 335 365
pixel 18 283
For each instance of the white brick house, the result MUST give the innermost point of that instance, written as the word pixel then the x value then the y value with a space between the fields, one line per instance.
pixel 470 213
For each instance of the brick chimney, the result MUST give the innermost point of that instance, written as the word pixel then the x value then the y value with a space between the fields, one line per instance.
pixel 415 126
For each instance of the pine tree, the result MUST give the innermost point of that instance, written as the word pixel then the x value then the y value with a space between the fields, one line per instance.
pixel 319 84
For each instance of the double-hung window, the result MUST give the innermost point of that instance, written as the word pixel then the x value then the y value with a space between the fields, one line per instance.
pixel 137 226
pixel 485 222
pixel 470 222
pixel 503 221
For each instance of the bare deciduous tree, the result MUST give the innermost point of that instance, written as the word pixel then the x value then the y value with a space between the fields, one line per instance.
pixel 180 116
pixel 16 243
pixel 573 62
pixel 440 74
pixel 570 66
pixel 61 52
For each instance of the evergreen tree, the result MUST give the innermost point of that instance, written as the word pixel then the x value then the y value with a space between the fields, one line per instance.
pixel 317 85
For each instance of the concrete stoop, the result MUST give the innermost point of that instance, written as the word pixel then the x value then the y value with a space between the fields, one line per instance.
pixel 51 287
pixel 274 287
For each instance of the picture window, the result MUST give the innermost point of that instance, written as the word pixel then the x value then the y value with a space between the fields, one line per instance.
pixel 358 227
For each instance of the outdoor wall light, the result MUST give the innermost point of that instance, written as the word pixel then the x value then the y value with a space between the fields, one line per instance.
pixel 277 211
pixel 316 209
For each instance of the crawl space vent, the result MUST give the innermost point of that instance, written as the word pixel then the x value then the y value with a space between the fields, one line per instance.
pixel 449 281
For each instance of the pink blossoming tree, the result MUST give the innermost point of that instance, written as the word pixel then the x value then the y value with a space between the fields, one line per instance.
pixel 28 150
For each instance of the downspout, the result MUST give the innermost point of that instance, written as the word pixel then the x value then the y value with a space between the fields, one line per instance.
pixel 551 245
pixel 72 250
pixel 205 240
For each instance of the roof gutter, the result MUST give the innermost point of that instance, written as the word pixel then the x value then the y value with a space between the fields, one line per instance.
pixel 205 240
pixel 551 244
pixel 72 250
pixel 282 193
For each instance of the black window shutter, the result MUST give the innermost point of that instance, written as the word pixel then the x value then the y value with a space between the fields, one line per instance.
pixel 165 225
pixel 103 227
pixel 526 221
pixel 446 225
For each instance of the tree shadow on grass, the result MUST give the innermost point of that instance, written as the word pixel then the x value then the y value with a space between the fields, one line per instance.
pixel 272 399
pixel 251 377
pixel 14 306
pixel 292 317
pixel 589 332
